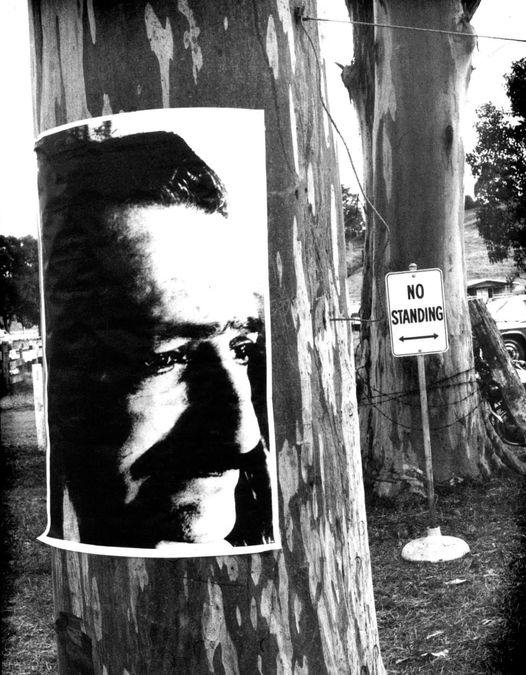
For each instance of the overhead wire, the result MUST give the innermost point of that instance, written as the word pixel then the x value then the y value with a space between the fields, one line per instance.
pixel 351 162
pixel 340 135
pixel 413 28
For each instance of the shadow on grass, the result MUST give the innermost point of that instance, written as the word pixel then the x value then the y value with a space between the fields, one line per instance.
pixel 508 651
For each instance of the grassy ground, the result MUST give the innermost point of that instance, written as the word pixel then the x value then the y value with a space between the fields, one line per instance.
pixel 464 616
pixel 460 618
pixel 28 639
pixel 354 258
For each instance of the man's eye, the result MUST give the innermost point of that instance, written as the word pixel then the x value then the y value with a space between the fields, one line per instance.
pixel 242 348
pixel 165 361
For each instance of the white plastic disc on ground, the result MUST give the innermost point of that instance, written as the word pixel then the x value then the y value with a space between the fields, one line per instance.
pixel 434 548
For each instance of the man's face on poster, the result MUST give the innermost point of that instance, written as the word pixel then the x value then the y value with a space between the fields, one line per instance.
pixel 189 414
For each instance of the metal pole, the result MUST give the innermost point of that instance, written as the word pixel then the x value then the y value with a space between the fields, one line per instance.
pixel 427 440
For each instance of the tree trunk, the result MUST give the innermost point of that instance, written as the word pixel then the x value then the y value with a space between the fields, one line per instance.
pixel 495 358
pixel 308 608
pixel 417 161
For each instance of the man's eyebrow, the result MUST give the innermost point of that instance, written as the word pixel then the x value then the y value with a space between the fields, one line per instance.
pixel 201 331
pixel 192 331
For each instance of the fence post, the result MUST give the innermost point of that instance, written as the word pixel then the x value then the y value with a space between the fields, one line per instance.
pixel 38 396
pixel 6 384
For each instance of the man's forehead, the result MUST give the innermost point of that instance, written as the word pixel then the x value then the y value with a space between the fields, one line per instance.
pixel 172 224
pixel 197 265
pixel 189 241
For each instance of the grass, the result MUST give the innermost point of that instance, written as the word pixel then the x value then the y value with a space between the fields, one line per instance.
pixel 28 638
pixel 467 616
pixel 354 252
pixel 461 618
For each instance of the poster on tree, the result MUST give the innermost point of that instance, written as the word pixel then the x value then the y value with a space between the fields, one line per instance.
pixel 157 350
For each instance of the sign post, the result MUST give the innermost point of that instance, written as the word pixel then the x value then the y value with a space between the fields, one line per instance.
pixel 427 441
pixel 417 324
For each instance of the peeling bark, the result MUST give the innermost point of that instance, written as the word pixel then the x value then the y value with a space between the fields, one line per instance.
pixel 308 608
pixel 409 88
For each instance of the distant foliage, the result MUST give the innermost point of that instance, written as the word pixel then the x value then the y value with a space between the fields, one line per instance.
pixel 469 202
pixel 499 164
pixel 19 290
pixel 352 215
pixel 516 89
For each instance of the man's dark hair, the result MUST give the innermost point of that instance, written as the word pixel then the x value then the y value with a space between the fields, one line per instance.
pixel 143 168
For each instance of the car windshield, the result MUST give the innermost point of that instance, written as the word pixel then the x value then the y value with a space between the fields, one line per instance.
pixel 509 309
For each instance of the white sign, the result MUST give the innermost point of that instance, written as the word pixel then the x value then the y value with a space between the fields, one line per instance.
pixel 417 315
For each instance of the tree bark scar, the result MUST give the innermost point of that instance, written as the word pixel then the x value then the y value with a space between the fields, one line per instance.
pixel 349 78
pixel 377 52
pixel 469 7
pixel 448 138
pixel 191 36
pixel 60 104
pixel 162 45
pixel 74 644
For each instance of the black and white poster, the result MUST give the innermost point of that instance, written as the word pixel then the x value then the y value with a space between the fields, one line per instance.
pixel 157 350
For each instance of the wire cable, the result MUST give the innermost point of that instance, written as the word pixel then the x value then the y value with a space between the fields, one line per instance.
pixel 336 128
pixel 413 28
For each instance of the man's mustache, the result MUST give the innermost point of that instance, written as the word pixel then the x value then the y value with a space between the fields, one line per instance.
pixel 182 456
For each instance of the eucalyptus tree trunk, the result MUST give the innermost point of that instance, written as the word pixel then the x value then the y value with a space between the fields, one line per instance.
pixel 408 88
pixel 308 608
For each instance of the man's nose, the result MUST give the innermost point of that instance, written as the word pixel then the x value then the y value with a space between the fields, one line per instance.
pixel 248 432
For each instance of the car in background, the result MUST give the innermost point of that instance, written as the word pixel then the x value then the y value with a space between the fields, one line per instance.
pixel 509 313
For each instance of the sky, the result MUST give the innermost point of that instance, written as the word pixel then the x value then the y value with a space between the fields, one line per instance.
pixel 18 201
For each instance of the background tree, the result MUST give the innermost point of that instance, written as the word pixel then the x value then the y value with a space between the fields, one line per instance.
pixel 469 203
pixel 408 88
pixel 308 608
pixel 352 215
pixel 499 164
pixel 19 288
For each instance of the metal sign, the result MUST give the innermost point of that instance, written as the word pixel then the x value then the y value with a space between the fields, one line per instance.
pixel 417 315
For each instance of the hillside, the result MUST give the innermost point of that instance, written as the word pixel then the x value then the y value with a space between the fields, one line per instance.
pixel 477 262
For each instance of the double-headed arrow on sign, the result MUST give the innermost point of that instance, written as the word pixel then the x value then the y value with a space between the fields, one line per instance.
pixel 418 337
